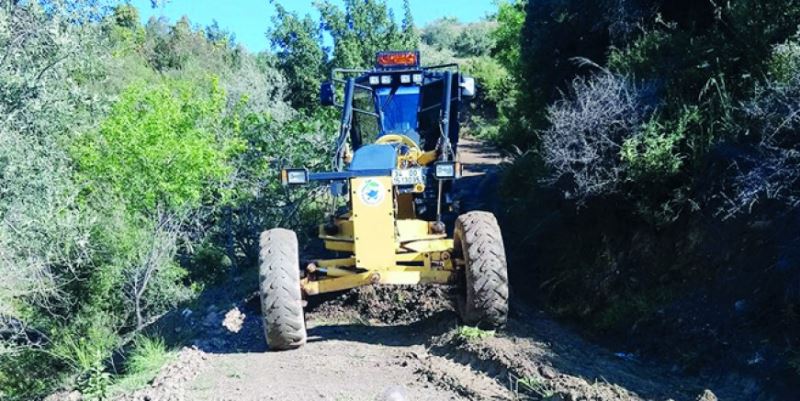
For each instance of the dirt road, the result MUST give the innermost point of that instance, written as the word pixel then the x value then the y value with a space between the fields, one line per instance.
pixel 378 343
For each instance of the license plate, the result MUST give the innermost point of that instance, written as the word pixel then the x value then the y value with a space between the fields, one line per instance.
pixel 409 176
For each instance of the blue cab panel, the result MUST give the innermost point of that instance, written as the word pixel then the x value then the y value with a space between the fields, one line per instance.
pixel 374 157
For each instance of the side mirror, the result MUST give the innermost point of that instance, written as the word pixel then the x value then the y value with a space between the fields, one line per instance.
pixel 467 86
pixel 327 94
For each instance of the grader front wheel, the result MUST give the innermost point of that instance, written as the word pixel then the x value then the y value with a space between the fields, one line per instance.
pixel 483 300
pixel 281 298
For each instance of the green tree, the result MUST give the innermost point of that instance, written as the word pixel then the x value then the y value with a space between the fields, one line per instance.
pixel 410 33
pixel 297 43
pixel 126 16
pixel 475 40
pixel 364 28
pixel 160 147
pixel 442 33
pixel 507 36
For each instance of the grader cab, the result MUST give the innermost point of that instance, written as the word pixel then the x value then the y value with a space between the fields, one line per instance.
pixel 394 166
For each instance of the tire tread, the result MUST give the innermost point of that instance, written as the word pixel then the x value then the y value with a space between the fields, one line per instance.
pixel 486 275
pixel 281 298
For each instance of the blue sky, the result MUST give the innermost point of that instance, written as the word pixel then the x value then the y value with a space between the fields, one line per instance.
pixel 249 19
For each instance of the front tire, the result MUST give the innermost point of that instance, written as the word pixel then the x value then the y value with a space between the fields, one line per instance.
pixel 281 298
pixel 483 301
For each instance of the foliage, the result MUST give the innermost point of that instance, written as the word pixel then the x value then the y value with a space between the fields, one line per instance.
pixel 694 60
pixel 653 152
pixel 85 347
pixel 685 142
pixel 473 334
pixel 769 171
pixel 464 40
pixel 472 46
pixel 475 40
pixel 261 201
pixel 94 384
pixel 783 65
pixel 160 147
pixel 358 31
pixel 515 114
pixel 297 44
pixel 142 363
pixel 553 34
pixel 362 29
pixel 442 33
pixel 43 232
pixel 491 76
pixel 495 96
pixel 507 35
pixel 147 356
pixel 118 152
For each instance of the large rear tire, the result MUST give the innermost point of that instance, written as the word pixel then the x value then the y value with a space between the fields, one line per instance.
pixel 483 299
pixel 281 298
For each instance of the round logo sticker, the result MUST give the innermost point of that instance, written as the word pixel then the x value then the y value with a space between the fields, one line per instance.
pixel 372 192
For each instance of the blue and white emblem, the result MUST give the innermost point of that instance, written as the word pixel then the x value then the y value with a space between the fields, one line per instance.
pixel 372 192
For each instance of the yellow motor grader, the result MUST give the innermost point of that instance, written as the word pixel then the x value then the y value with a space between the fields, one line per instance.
pixel 395 163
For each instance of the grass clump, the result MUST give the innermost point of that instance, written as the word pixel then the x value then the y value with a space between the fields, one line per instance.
pixel 472 334
pixel 143 363
pixel 530 385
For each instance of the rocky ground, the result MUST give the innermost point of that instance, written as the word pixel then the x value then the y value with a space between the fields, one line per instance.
pixel 352 355
pixel 388 343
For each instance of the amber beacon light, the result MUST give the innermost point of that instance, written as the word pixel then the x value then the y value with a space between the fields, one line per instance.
pixel 398 59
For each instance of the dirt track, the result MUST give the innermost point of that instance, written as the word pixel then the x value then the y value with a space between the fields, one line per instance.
pixel 353 354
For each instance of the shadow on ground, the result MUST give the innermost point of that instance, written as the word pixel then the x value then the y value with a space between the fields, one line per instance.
pixel 416 333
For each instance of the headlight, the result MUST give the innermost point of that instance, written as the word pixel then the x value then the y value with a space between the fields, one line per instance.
pixel 374 80
pixel 405 79
pixel 294 176
pixel 468 87
pixel 386 79
pixel 417 78
pixel 446 170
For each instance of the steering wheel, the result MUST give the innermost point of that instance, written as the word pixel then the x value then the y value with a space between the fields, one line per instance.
pixel 398 138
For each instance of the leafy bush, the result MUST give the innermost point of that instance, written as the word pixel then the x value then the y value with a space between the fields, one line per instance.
pixel 109 169
pixel 491 76
pixel 475 40
pixel 508 33
pixel 517 110
pixel 260 200
pixel 44 232
pixel 713 134
pixel 654 151
pixel 464 40
pixel 785 62
pixel 160 147
pixel 441 33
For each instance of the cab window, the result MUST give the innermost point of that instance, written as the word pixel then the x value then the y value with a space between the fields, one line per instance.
pixel 398 108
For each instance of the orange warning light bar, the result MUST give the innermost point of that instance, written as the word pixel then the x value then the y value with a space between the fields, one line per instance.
pixel 398 59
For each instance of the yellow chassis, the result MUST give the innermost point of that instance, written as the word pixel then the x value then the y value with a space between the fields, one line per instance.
pixel 385 241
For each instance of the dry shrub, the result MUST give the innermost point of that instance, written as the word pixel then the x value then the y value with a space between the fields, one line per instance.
pixel 770 170
pixel 588 128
